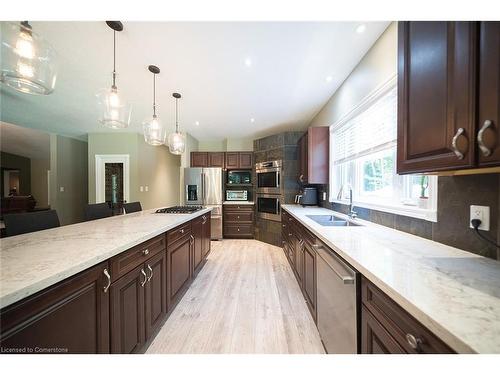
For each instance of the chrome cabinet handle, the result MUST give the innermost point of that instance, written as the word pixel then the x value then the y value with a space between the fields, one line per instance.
pixel 413 341
pixel 283 225
pixel 145 277
pixel 485 150
pixel 191 239
pixel 108 277
pixel 457 152
pixel 182 231
pixel 151 272
pixel 145 252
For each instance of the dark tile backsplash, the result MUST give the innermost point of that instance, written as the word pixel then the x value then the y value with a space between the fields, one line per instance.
pixel 455 195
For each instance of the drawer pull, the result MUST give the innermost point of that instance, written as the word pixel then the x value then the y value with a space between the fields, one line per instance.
pixel 238 216
pixel 182 231
pixel 413 341
pixel 283 225
pixel 145 277
pixel 289 235
pixel 145 252
pixel 108 278
pixel 151 272
pixel 238 229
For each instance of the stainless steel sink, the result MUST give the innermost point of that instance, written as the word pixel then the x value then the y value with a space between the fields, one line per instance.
pixel 332 221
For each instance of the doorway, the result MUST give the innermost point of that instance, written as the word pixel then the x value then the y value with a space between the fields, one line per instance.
pixel 112 176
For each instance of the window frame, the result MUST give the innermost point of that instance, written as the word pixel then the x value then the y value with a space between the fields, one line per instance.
pixel 429 213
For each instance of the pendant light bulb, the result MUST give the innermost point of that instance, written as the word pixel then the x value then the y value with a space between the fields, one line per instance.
pixel 28 62
pixel 154 132
pixel 114 111
pixel 176 140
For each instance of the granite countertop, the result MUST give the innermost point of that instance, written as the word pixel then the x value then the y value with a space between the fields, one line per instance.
pixel 33 261
pixel 241 203
pixel 454 293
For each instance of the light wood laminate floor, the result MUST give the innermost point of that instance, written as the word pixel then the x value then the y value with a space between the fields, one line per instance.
pixel 244 300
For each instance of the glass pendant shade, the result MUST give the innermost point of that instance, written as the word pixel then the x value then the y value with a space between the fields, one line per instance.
pixel 114 111
pixel 28 62
pixel 154 133
pixel 176 143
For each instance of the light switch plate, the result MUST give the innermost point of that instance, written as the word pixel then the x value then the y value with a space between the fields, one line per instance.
pixel 482 213
pixel 61 189
pixel 147 188
pixel 141 189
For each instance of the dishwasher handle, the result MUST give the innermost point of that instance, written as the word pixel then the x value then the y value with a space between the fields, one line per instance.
pixel 346 280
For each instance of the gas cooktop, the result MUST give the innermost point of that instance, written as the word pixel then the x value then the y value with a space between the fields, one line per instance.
pixel 179 210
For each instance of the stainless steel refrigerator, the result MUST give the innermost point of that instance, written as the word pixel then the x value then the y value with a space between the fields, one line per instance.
pixel 203 187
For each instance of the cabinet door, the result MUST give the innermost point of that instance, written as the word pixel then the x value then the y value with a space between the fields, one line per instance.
pixel 199 159
pixel 488 136
pixel 156 292
pixel 72 315
pixel 178 269
pixel 299 259
pixel 127 312
pixel 232 160
pixel 303 165
pixel 197 232
pixel 309 278
pixel 374 338
pixel 317 154
pixel 207 234
pixel 436 96
pixel 246 160
pixel 216 159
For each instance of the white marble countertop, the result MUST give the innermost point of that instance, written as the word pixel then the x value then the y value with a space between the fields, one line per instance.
pixel 241 203
pixel 33 261
pixel 454 293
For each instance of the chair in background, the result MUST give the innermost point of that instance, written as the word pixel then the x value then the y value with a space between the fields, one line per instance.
pixel 97 211
pixel 132 207
pixel 30 222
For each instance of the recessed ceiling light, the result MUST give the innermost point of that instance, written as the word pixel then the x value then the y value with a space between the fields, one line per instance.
pixel 197 123
pixel 248 62
pixel 361 28
pixel 329 79
pixel 252 120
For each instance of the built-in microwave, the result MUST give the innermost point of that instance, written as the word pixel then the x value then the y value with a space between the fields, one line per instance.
pixel 243 177
pixel 236 195
pixel 268 177
pixel 269 207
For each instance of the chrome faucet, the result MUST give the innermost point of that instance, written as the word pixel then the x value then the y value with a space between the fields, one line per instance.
pixel 352 214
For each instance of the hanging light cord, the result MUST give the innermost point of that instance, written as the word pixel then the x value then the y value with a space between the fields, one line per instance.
pixel 114 59
pixel 154 95
pixel 176 115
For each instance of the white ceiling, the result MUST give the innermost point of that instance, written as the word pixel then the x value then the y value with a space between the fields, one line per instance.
pixel 23 141
pixel 284 87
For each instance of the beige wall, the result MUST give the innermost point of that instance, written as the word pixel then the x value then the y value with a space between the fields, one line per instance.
pixel 151 166
pixel 68 172
pixel 377 67
pixel 212 145
pixel 228 144
pixel 39 181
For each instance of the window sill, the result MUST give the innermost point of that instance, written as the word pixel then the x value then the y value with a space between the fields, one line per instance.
pixel 410 211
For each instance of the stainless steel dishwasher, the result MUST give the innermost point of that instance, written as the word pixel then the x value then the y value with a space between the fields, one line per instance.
pixel 337 309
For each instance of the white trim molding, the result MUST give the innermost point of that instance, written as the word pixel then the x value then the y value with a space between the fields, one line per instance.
pixel 100 177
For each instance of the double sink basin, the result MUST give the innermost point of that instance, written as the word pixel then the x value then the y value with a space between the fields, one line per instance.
pixel 332 221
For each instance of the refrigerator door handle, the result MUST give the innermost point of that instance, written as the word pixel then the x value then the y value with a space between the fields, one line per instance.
pixel 204 185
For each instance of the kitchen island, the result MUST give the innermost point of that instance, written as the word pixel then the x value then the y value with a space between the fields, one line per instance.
pixel 99 286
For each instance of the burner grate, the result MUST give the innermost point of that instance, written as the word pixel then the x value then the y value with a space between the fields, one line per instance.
pixel 179 210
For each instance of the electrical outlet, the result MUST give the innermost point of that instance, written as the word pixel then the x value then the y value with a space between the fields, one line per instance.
pixel 482 213
pixel 324 196
pixel 61 189
pixel 146 188
pixel 141 189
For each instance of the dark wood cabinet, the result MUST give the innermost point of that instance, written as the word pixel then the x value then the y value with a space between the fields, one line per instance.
pixel 155 292
pixel 216 160
pixel 436 96
pixel 206 233
pixel 178 268
pixel 488 126
pixel 198 243
pixel 232 160
pixel 299 257
pixel 238 221
pixel 245 160
pixel 313 148
pixel 388 328
pixel 309 277
pixel 127 312
pixel 72 316
pixel 199 159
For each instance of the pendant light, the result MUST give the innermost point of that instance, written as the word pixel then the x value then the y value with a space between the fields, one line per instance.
pixel 154 132
pixel 176 141
pixel 28 61
pixel 114 111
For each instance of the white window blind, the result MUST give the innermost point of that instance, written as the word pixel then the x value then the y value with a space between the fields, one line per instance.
pixel 372 130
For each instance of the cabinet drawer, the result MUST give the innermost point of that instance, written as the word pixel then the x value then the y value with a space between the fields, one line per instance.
pixel 238 231
pixel 238 208
pixel 238 217
pixel 398 323
pixel 181 231
pixel 125 262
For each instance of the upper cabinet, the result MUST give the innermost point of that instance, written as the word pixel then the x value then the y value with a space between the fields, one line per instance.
pixel 228 160
pixel 488 132
pixel 313 148
pixel 443 108
pixel 239 160
pixel 216 159
pixel 199 159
